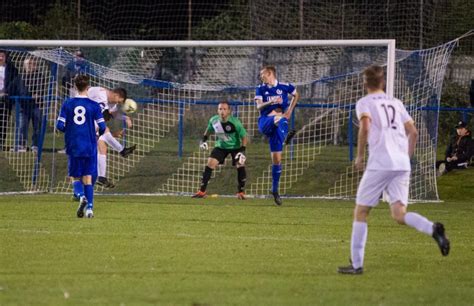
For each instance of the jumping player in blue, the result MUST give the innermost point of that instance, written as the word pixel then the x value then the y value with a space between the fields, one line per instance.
pixel 272 101
pixel 77 120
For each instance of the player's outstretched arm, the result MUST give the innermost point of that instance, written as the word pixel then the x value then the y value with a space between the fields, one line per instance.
pixel 412 134
pixel 292 106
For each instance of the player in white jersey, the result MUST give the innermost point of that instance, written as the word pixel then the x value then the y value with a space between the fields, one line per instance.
pixel 109 101
pixel 388 129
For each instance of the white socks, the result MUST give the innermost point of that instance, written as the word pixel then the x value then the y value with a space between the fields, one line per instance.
pixel 102 165
pixel 111 141
pixel 359 237
pixel 419 222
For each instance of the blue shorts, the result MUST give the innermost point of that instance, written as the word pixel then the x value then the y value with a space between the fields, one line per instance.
pixel 82 166
pixel 276 133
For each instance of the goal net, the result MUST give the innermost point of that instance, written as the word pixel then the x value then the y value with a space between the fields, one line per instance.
pixel 178 85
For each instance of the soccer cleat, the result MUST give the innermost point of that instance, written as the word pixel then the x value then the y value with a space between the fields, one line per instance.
pixel 277 198
pixel 441 239
pixel 75 198
pixel 89 213
pixel 127 151
pixel 350 270
pixel 199 195
pixel 82 205
pixel 241 196
pixel 103 181
pixel 289 137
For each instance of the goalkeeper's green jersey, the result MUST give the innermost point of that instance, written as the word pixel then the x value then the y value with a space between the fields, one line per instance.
pixel 229 134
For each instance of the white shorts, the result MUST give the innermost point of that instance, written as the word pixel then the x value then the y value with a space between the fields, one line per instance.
pixel 374 182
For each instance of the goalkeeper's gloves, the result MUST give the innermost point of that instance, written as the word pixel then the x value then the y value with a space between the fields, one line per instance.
pixel 203 143
pixel 240 157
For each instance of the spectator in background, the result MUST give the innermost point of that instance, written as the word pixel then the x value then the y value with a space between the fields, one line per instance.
pixel 78 65
pixel 33 84
pixel 459 150
pixel 9 86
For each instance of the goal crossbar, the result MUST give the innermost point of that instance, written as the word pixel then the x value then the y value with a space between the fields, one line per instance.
pixel 388 43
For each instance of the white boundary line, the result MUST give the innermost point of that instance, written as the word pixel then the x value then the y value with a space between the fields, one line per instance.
pixel 159 194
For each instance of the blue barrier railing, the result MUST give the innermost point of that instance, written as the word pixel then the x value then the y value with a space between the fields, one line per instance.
pixel 235 103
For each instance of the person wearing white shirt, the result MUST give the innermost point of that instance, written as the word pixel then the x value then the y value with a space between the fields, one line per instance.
pixel 109 100
pixel 389 131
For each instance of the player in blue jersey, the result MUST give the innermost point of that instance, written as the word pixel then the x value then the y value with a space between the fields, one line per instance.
pixel 77 120
pixel 275 110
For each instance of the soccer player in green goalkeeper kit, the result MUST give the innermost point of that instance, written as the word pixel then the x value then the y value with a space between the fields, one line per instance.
pixel 231 139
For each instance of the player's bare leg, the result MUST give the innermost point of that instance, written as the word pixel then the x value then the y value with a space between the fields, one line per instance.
pixel 212 163
pixel 421 224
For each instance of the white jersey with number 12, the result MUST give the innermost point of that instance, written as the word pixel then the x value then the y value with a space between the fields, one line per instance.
pixel 388 142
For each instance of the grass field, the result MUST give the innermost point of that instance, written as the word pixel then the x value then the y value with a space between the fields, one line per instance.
pixel 219 251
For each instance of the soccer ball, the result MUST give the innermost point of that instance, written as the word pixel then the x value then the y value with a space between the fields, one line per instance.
pixel 129 106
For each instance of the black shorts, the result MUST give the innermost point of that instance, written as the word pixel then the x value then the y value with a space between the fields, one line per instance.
pixel 221 154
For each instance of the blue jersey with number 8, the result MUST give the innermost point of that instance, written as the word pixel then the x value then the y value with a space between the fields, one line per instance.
pixel 77 120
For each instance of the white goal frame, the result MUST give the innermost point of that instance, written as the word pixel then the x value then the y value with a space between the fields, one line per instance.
pixel 389 43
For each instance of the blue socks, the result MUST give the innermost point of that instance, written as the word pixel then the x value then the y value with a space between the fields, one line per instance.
pixel 78 189
pixel 89 192
pixel 283 128
pixel 276 173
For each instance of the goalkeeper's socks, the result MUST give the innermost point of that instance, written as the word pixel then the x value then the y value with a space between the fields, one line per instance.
pixel 206 176
pixel 111 141
pixel 419 222
pixel 358 240
pixel 276 173
pixel 89 193
pixel 78 189
pixel 242 178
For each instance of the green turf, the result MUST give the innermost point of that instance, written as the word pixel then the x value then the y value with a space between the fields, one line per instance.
pixel 218 251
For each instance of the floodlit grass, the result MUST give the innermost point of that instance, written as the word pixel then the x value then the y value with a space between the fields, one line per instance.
pixel 220 251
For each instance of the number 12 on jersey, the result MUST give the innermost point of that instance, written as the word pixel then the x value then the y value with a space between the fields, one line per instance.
pixel 389 110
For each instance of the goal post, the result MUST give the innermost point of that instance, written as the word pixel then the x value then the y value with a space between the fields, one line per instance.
pixel 178 85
